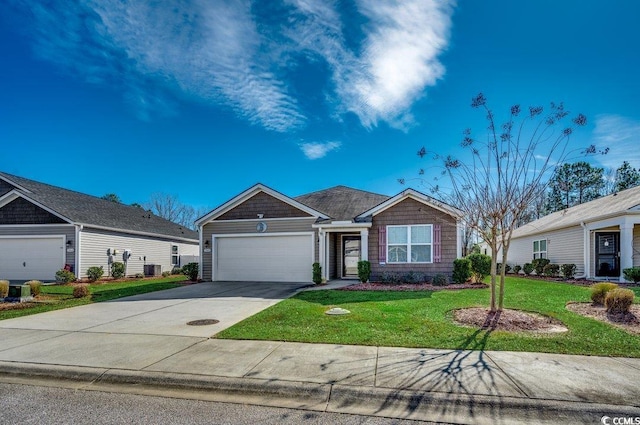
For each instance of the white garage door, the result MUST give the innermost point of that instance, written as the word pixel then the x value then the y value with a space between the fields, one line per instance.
pixel 24 258
pixel 269 258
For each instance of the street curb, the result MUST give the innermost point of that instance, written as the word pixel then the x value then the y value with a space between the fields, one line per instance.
pixel 371 401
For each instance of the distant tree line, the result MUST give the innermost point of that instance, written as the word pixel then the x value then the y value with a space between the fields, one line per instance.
pixel 166 206
pixel 579 182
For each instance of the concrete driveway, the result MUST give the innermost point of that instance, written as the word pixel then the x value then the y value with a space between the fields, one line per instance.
pixel 164 312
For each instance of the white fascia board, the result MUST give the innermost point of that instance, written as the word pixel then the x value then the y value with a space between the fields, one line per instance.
pixel 136 232
pixel 14 194
pixel 249 193
pixel 12 183
pixel 415 195
pixel 341 226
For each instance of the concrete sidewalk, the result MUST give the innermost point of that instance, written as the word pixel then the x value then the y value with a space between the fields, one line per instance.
pixel 425 384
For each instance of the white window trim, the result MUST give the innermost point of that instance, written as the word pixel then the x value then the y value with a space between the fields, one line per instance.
pixel 539 252
pixel 177 255
pixel 409 244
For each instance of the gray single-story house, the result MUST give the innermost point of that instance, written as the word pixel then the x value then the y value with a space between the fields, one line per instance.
pixel 264 235
pixel 601 237
pixel 44 228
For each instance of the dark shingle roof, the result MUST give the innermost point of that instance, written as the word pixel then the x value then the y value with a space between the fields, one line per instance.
pixel 90 210
pixel 341 202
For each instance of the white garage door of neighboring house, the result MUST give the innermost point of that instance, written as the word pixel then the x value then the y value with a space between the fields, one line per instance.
pixel 286 258
pixel 25 258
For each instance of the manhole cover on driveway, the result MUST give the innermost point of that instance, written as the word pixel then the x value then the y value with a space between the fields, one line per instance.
pixel 203 322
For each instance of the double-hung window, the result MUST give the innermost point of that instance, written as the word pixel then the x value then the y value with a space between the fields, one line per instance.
pixel 410 244
pixel 175 255
pixel 540 249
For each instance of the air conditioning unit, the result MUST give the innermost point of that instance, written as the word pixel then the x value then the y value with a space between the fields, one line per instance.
pixel 152 269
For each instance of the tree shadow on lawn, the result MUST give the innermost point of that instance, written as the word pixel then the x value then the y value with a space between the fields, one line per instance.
pixel 332 297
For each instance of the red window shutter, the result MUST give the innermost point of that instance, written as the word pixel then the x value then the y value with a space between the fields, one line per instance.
pixel 382 244
pixel 437 243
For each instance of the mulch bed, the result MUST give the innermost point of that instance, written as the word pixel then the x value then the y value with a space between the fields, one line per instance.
pixel 629 322
pixel 508 320
pixel 409 287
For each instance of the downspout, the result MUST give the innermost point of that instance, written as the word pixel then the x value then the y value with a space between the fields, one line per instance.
pixel 585 251
pixel 201 250
pixel 78 245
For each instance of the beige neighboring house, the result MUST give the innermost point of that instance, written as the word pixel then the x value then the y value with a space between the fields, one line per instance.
pixel 264 235
pixel 44 228
pixel 601 237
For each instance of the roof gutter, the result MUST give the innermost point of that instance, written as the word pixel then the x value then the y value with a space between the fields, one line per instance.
pixel 135 232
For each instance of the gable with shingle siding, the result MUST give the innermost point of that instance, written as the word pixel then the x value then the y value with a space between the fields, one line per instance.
pixel 21 211
pixel 264 204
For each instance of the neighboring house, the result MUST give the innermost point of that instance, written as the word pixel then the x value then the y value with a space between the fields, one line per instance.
pixel 601 237
pixel 44 228
pixel 263 235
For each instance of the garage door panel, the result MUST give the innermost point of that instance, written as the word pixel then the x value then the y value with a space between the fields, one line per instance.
pixel 31 258
pixel 264 259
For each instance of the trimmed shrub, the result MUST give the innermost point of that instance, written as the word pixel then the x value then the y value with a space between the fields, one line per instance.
pixel 632 273
pixel 527 268
pixel 390 277
pixel 480 266
pixel 364 271
pixel 517 268
pixel 65 276
pixel 461 270
pixel 599 292
pixel 166 274
pixel 568 271
pixel 81 290
pixel 551 270
pixel 178 270
pixel 538 265
pixel 191 271
pixel 316 273
pixel 4 288
pixel 117 270
pixel 618 301
pixel 139 275
pixel 440 280
pixel 36 287
pixel 94 273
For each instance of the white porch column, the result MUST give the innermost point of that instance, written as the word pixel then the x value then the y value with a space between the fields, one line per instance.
pixel 364 244
pixel 322 252
pixel 626 247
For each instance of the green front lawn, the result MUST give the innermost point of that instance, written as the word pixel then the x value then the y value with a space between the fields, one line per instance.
pixel 55 297
pixel 424 319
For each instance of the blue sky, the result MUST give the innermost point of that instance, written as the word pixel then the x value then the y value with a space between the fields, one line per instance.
pixel 202 99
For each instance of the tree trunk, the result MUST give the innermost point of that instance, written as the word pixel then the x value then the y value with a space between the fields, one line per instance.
pixel 494 255
pixel 502 276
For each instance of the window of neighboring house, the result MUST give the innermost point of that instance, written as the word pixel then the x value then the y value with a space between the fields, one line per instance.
pixel 540 249
pixel 175 255
pixel 409 244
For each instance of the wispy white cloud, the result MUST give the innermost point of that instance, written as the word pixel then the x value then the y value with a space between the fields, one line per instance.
pixel 220 53
pixel 398 59
pixel 621 135
pixel 317 150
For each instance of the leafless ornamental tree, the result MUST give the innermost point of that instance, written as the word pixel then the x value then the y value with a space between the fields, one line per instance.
pixel 506 173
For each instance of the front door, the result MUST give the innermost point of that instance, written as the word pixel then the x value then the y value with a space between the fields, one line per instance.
pixel 350 255
pixel 607 254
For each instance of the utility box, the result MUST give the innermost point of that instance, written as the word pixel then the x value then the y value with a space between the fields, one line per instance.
pixel 19 293
pixel 152 269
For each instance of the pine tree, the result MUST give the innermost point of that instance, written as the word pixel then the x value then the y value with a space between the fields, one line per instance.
pixel 626 177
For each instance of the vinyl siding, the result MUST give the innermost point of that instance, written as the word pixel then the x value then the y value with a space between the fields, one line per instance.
pixel 248 227
pixel 144 250
pixel 564 246
pixel 68 231
pixel 409 212
pixel 636 246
